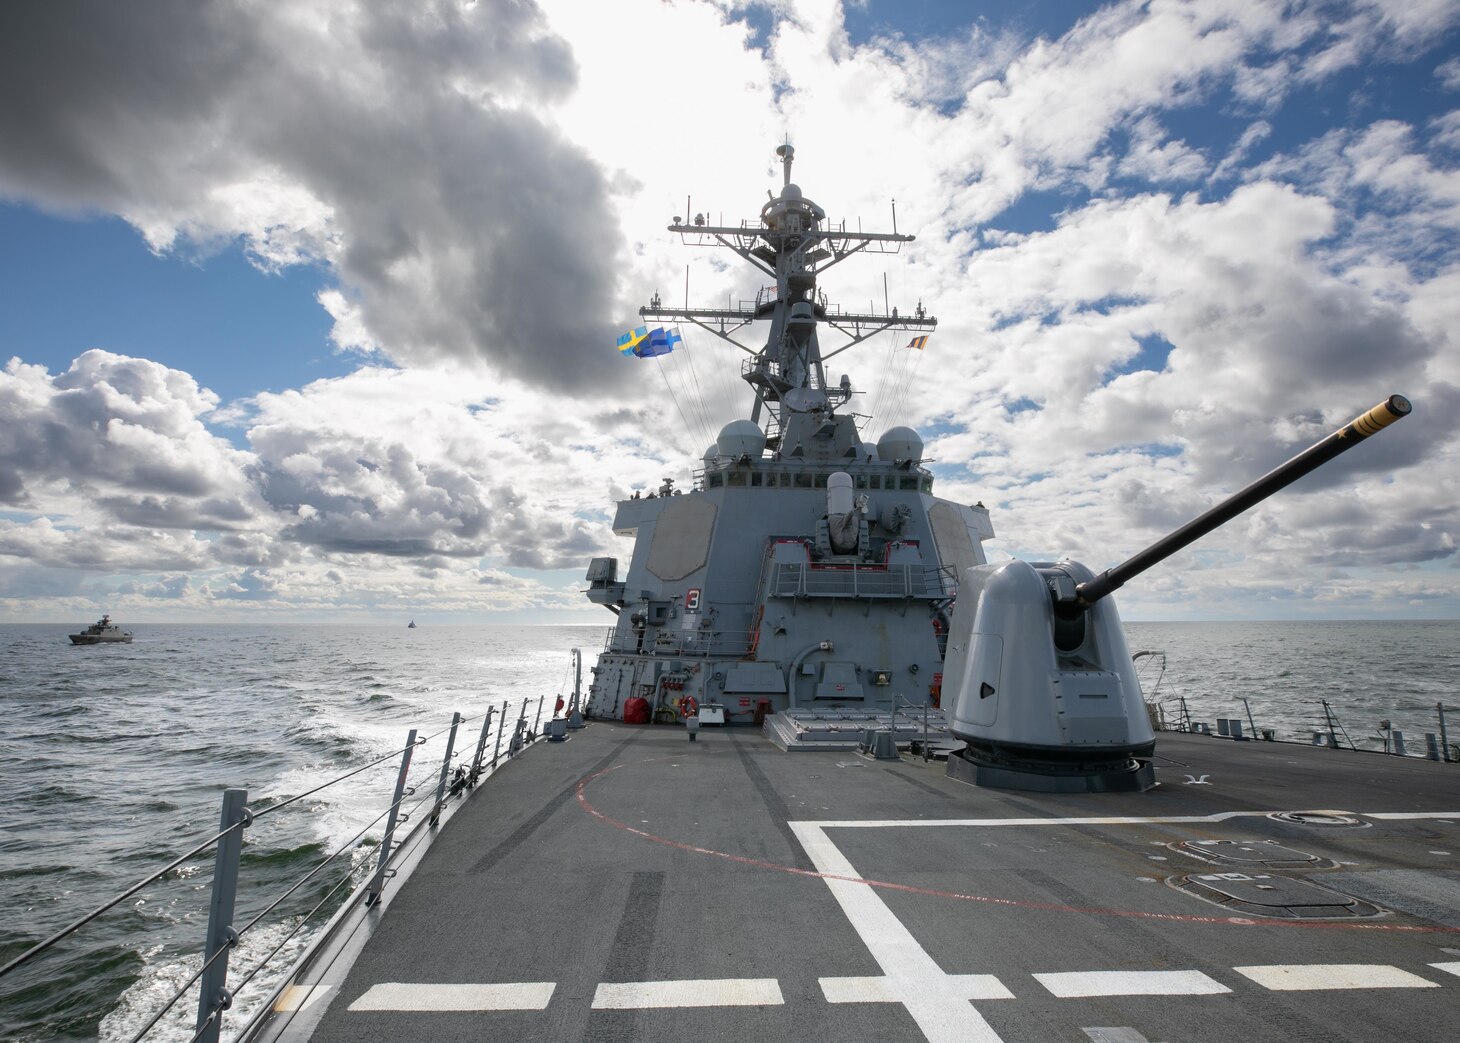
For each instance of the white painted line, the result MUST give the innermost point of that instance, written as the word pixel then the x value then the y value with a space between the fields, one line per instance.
pixel 1116 820
pixel 705 992
pixel 1311 977
pixel 885 990
pixel 396 995
pixel 1070 984
pixel 1448 968
pixel 911 976
pixel 300 997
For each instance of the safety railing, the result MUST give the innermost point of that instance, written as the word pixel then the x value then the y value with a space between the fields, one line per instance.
pixel 216 993
pixel 1324 728
pixel 801 580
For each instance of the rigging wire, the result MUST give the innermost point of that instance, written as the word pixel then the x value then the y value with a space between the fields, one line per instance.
pixel 728 383
pixel 703 402
pixel 910 372
pixel 673 398
pixel 879 397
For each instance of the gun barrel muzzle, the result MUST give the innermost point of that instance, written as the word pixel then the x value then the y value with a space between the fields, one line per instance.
pixel 1381 416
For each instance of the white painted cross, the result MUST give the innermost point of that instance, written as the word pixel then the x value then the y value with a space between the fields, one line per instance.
pixel 937 1001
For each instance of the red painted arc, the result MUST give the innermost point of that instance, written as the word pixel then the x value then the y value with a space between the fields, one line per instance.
pixel 888 885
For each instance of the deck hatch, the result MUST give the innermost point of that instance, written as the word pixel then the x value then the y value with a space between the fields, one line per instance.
pixel 1251 854
pixel 1274 897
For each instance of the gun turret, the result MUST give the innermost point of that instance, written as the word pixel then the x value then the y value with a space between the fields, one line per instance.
pixel 1041 681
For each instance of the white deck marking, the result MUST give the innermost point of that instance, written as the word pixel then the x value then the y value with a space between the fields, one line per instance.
pixel 704 992
pixel 1071 984
pixel 1448 968
pixel 300 997
pixel 911 976
pixel 1117 820
pixel 1312 977
pixel 396 995
pixel 886 990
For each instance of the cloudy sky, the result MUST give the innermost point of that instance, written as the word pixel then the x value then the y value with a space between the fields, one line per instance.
pixel 309 308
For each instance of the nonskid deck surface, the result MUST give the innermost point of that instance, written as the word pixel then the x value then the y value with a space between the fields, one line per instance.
pixel 631 885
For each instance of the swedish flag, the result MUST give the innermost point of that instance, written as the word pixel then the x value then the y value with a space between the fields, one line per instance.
pixel 628 341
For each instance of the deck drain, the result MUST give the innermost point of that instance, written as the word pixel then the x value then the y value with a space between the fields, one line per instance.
pixel 1318 818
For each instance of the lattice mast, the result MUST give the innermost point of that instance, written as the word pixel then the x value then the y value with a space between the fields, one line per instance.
pixel 793 243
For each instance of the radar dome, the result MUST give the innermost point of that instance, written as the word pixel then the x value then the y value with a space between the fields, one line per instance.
pixel 791 191
pixel 741 438
pixel 712 453
pixel 900 443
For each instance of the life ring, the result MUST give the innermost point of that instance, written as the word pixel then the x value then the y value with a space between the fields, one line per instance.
pixel 689 707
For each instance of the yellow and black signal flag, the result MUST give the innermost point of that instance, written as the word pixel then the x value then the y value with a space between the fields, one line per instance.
pixel 918 342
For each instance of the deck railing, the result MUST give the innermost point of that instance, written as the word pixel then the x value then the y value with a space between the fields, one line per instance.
pixel 216 992
pixel 1324 728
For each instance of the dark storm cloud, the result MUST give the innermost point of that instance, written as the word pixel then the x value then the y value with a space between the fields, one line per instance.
pixel 399 143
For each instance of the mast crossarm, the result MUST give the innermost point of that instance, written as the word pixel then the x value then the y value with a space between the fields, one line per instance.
pixel 852 325
pixel 697 315
pixel 756 231
pixel 738 315
pixel 745 243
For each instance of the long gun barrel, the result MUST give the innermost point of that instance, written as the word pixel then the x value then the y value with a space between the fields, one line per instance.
pixel 1375 420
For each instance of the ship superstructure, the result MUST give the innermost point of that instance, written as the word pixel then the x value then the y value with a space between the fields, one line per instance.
pixel 806 568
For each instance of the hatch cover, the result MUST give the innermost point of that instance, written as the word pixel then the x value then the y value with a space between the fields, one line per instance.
pixel 1251 854
pixel 1273 897
pixel 1318 818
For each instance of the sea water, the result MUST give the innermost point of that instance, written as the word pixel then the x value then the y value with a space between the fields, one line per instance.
pixel 114 759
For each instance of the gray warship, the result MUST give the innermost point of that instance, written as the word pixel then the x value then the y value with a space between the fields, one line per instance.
pixel 937 808
pixel 806 579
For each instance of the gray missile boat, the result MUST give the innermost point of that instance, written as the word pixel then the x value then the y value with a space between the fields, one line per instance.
pixel 936 809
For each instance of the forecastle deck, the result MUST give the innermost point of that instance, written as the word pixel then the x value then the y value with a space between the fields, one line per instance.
pixel 628 884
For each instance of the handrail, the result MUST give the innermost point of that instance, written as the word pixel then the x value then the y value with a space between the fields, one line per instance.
pixel 523 731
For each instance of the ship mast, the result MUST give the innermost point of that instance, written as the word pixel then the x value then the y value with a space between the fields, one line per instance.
pixel 793 243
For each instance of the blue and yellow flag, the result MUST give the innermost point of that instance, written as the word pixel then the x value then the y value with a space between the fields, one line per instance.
pixel 630 340
pixel 918 342
pixel 660 342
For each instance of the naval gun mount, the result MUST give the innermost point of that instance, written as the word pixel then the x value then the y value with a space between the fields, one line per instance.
pixel 1037 669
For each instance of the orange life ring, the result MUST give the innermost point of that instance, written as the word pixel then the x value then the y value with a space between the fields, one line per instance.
pixel 688 707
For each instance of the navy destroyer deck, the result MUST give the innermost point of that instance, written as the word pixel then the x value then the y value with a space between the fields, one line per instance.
pixel 628 884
